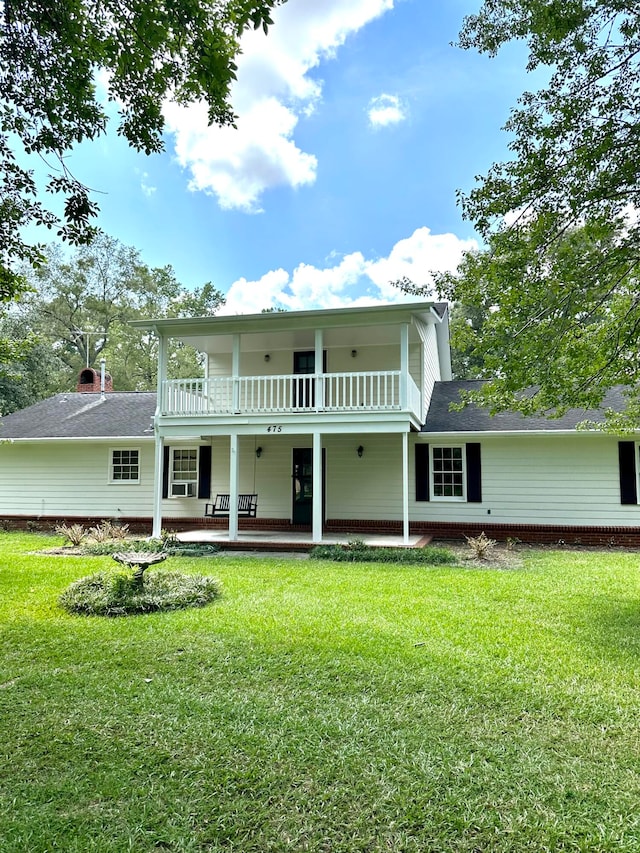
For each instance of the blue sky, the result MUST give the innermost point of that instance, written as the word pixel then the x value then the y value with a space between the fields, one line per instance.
pixel 358 121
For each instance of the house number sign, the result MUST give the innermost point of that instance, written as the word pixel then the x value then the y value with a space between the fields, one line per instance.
pixel 276 428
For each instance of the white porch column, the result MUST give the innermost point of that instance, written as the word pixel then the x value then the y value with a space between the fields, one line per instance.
pixel 162 372
pixel 317 488
pixel 157 488
pixel 319 369
pixel 233 488
pixel 404 366
pixel 405 487
pixel 235 373
pixel 159 446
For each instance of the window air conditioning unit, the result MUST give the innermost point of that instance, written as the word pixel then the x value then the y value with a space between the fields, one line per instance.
pixel 183 490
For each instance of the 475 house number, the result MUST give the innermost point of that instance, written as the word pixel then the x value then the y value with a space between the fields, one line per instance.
pixel 277 428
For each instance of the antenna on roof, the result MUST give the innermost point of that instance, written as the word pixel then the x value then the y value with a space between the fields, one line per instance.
pixel 102 371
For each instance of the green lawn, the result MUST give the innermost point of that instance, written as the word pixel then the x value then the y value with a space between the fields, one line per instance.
pixel 325 707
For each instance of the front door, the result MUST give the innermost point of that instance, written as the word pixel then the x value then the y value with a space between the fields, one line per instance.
pixel 302 512
pixel 304 388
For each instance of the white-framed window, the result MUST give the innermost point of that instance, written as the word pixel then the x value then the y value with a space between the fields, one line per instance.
pixel 448 474
pixel 184 472
pixel 124 465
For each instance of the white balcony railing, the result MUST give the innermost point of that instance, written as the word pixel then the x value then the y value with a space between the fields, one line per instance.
pixel 376 391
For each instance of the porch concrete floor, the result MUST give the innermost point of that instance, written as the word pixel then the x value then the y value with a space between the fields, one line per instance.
pixel 279 540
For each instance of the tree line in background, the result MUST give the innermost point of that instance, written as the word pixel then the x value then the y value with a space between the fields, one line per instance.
pixel 78 310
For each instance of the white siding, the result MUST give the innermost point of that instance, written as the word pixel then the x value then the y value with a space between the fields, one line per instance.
pixel 269 477
pixel 431 368
pixel 367 488
pixel 62 478
pixel 339 360
pixel 358 488
pixel 544 479
pixel 548 479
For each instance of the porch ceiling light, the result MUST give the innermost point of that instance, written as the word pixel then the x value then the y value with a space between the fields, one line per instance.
pixel 360 450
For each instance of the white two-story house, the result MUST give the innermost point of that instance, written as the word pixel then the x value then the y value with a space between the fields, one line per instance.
pixel 311 411
pixel 334 421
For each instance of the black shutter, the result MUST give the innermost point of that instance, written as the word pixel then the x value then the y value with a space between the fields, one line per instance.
pixel 165 472
pixel 474 474
pixel 627 461
pixel 422 472
pixel 204 472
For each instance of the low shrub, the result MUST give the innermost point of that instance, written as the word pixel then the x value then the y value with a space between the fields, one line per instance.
pixel 153 546
pixel 75 534
pixel 481 546
pixel 101 549
pixel 358 552
pixel 115 593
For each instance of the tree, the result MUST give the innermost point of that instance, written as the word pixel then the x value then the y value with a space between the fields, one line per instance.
pixel 466 322
pixel 562 258
pixel 132 357
pixel 50 54
pixel 562 331
pixel 27 376
pixel 80 308
pixel 576 141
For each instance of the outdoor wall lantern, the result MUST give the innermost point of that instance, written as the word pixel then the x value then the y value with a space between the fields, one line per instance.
pixel 360 450
pixel 258 452
pixel 354 353
pixel 267 357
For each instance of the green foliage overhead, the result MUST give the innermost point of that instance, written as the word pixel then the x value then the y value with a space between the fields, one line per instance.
pixel 559 272
pixel 577 141
pixel 50 55
pixel 564 326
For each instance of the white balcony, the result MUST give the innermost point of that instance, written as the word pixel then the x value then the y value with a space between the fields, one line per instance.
pixel 375 391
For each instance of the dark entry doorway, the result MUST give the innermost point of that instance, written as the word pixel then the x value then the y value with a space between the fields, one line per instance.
pixel 302 478
pixel 304 362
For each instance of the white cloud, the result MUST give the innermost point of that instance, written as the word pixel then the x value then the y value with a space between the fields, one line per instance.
pixel 273 91
pixel 355 280
pixel 385 110
pixel 145 186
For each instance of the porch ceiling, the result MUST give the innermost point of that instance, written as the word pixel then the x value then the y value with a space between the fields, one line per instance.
pixel 299 339
pixel 294 330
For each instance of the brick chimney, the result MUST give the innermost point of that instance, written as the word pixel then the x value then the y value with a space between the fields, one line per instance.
pixel 89 382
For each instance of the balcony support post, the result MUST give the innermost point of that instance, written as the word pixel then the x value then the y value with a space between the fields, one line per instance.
pixel 319 370
pixel 318 500
pixel 157 487
pixel 161 403
pixel 234 469
pixel 405 488
pixel 404 366
pixel 235 373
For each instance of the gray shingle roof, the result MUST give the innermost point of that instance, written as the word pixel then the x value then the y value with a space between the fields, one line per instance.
pixel 477 419
pixel 75 415
pixel 130 415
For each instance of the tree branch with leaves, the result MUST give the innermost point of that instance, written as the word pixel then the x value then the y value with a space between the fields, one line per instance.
pixel 559 274
pixel 50 55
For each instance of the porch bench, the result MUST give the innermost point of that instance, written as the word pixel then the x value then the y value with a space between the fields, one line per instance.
pixel 247 506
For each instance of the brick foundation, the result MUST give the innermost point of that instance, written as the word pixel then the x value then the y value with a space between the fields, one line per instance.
pixel 542 534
